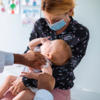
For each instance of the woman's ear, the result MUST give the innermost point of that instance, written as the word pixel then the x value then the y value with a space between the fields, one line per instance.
pixel 70 12
pixel 49 55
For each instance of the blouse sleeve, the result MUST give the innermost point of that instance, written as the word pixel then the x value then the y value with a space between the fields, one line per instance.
pixel 78 52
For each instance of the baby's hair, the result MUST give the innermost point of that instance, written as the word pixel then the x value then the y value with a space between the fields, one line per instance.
pixel 61 57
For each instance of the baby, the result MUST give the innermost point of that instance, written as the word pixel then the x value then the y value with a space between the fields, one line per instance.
pixel 56 52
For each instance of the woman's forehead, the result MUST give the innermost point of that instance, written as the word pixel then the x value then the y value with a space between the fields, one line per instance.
pixel 50 16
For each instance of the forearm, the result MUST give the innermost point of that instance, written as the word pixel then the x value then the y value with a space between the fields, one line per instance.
pixel 18 59
pixel 36 75
pixel 46 81
pixel 32 80
pixel 11 58
pixel 34 43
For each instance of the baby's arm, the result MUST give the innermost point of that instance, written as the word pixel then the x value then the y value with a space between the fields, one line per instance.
pixel 33 75
pixel 6 85
pixel 35 42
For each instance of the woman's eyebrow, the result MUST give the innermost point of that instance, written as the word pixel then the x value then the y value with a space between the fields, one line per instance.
pixel 54 19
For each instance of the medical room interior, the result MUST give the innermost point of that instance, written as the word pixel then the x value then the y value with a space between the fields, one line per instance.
pixel 15 33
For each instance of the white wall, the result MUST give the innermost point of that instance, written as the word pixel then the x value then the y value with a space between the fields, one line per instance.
pixel 14 38
pixel 87 12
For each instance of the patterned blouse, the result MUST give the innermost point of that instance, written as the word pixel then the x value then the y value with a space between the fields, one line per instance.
pixel 77 36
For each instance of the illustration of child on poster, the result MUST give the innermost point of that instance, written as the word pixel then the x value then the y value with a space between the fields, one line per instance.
pixel 34 2
pixel 13 7
pixel 27 2
pixel 31 2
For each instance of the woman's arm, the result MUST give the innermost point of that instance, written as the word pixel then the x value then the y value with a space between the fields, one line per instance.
pixel 30 77
pixel 65 73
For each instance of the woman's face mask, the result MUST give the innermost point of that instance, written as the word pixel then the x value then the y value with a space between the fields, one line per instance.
pixel 58 25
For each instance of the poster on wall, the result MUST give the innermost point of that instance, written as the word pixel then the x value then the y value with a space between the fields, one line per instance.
pixel 13 6
pixel 2 7
pixel 29 16
pixel 31 2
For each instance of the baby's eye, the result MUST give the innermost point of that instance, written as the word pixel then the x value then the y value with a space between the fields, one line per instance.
pixel 49 43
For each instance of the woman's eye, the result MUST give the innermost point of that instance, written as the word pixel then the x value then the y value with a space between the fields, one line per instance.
pixel 54 21
pixel 57 20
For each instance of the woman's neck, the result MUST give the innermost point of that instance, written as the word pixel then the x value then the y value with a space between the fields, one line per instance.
pixel 63 28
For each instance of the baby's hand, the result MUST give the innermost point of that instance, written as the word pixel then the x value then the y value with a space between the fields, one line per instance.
pixel 43 40
pixel 29 74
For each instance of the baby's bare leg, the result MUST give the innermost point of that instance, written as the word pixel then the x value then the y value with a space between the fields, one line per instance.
pixel 6 85
pixel 25 95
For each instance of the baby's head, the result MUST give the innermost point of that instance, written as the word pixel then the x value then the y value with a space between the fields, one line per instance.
pixel 57 51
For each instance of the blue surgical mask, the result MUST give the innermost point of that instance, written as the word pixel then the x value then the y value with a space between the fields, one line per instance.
pixel 58 25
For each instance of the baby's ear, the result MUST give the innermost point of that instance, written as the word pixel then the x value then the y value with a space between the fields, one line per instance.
pixel 49 55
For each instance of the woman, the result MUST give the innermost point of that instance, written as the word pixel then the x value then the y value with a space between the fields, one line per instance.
pixel 59 24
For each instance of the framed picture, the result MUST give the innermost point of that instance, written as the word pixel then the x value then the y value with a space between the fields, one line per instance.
pixel 13 6
pixel 30 15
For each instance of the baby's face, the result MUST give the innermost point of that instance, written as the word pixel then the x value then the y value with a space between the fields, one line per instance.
pixel 50 46
pixel 46 47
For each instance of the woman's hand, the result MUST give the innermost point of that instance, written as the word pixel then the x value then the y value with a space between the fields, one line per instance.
pixel 43 40
pixel 30 74
pixel 17 86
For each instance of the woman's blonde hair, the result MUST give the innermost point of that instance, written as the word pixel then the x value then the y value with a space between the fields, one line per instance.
pixel 57 7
